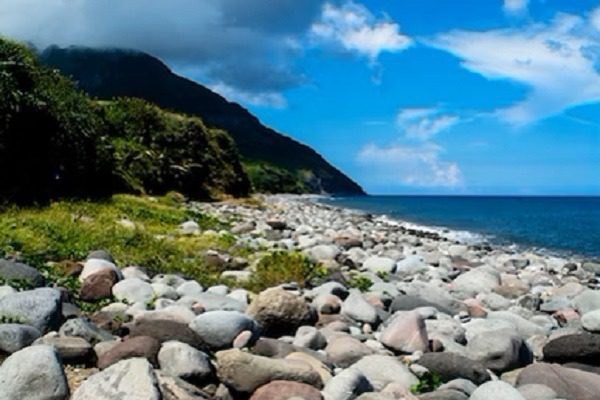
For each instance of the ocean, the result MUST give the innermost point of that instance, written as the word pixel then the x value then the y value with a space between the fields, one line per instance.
pixel 556 224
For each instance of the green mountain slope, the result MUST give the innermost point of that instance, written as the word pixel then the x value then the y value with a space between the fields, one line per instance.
pixel 56 141
pixel 276 163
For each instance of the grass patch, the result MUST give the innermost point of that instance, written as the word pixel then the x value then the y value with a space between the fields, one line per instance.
pixel 283 267
pixel 139 231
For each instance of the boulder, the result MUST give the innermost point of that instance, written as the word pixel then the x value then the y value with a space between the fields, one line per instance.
pixel 496 390
pixel 140 346
pixel 86 329
pixel 98 285
pixel 405 332
pixel 344 350
pixel 218 329
pixel 71 349
pixel 347 385
pixel 591 321
pixel 173 388
pixel 581 347
pixel 131 379
pixel 213 302
pixel 133 290
pixel 498 351
pixel 568 383
pixel 586 301
pixel 14 337
pixel 95 265
pixel 171 323
pixel 535 391
pixel 101 255
pixel 40 308
pixel 382 370
pixel 284 390
pixel 11 271
pixel 183 361
pixel 309 337
pixel 359 309
pixel 34 373
pixel 477 280
pixel 450 366
pixel 376 264
pixel 280 312
pixel 245 372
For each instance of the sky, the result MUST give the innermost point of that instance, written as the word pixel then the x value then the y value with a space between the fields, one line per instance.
pixel 405 96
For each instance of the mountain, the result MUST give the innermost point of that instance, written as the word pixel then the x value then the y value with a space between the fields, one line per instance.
pixel 58 142
pixel 275 162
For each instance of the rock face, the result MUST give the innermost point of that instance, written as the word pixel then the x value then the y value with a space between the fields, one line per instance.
pixel 568 383
pixel 280 312
pixel 452 366
pixel 582 347
pixel 34 373
pixel 283 390
pixel 13 337
pixel 131 379
pixel 40 308
pixel 405 333
pixel 22 273
pixel 218 329
pixel 245 372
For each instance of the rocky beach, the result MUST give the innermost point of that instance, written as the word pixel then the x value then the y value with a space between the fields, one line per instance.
pixel 380 310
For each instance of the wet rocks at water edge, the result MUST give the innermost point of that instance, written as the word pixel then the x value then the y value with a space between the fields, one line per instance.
pixel 396 312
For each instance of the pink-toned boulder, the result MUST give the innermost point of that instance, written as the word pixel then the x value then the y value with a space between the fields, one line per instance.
pixel 283 390
pixel 405 333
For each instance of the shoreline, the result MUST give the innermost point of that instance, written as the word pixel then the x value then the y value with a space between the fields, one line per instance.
pixel 466 236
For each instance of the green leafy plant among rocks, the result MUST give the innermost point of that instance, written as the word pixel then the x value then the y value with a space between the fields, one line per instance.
pixel 284 267
pixel 429 382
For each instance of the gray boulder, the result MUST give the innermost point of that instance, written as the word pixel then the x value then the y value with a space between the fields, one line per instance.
pixel 245 372
pixel 218 329
pixel 85 329
pixel 568 383
pixel 34 373
pixel 131 379
pixel 498 351
pixel 496 390
pixel 133 290
pixel 40 308
pixel 347 385
pixel 382 370
pixel 183 361
pixel 358 308
pixel 14 337
pixel 22 273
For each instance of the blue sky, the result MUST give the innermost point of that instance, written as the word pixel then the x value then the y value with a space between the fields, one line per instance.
pixel 406 96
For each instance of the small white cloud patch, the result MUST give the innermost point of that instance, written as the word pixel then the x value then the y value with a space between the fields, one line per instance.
pixel 515 7
pixel 353 27
pixel 418 165
pixel 424 123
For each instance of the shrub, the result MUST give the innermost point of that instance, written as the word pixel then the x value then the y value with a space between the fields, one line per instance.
pixel 284 267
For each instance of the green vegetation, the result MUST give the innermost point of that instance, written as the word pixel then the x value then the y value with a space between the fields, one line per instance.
pixel 114 73
pixel 284 267
pixel 135 230
pixel 268 178
pixel 427 383
pixel 361 283
pixel 56 142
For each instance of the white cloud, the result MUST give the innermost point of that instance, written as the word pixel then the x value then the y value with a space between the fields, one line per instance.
pixel 410 165
pixel 353 27
pixel 250 45
pixel 515 7
pixel 424 123
pixel 595 18
pixel 557 61
pixel 262 99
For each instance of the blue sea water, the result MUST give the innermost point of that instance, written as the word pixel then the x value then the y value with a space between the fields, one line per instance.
pixel 556 224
